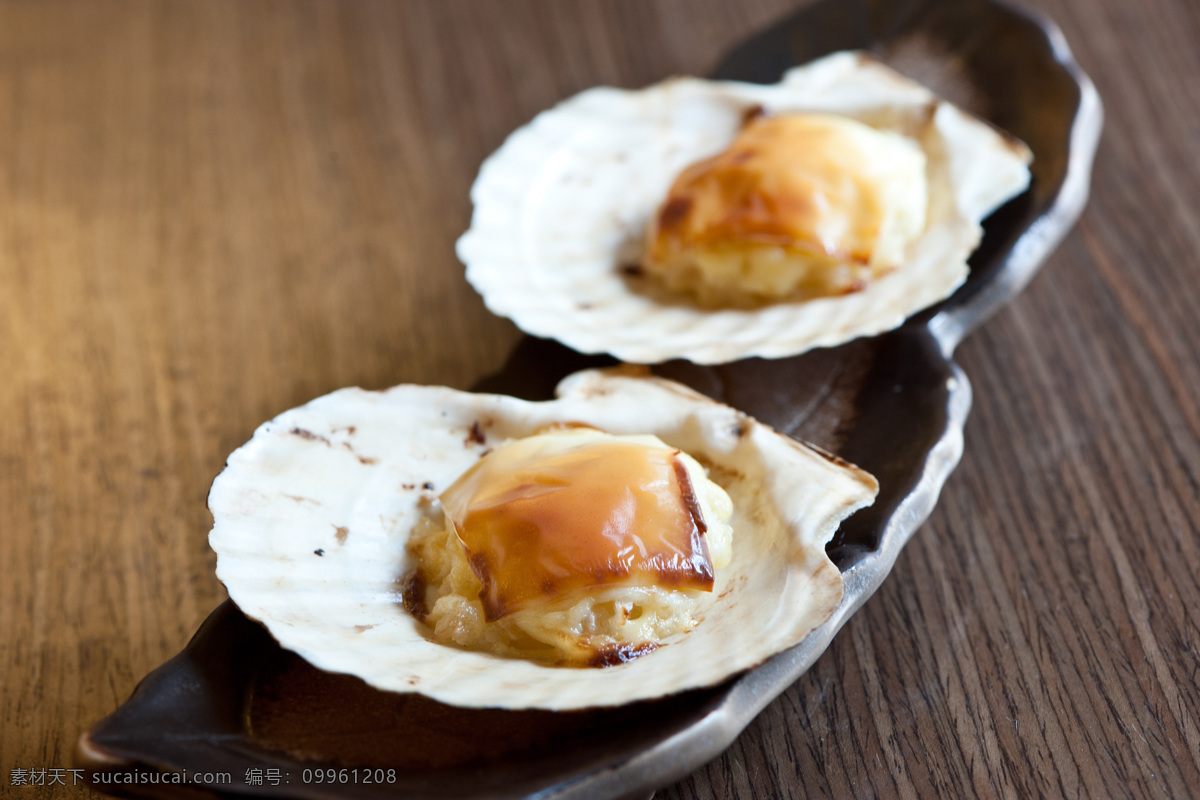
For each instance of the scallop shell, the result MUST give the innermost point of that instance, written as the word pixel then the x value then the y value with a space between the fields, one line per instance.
pixel 565 201
pixel 312 516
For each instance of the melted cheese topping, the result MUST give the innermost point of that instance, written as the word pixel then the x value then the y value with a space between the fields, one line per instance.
pixel 798 206
pixel 538 519
pixel 575 547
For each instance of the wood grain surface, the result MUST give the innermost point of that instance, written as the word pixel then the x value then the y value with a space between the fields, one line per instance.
pixel 213 211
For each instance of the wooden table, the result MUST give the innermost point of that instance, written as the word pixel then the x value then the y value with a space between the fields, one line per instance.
pixel 213 211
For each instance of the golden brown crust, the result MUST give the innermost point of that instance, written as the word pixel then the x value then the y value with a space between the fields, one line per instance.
pixel 798 206
pixel 763 188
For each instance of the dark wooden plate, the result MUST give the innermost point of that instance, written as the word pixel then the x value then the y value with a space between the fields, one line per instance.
pixel 236 703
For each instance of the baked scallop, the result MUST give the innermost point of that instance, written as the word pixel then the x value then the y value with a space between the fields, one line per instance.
pixel 798 206
pixel 713 221
pixel 573 547
pixel 317 522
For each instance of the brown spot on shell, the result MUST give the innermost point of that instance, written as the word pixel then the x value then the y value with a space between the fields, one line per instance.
pixel 341 532
pixel 308 435
pixel 368 460
pixel 363 628
pixel 476 436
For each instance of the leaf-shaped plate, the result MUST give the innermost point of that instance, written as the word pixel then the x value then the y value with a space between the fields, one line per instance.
pixel 233 701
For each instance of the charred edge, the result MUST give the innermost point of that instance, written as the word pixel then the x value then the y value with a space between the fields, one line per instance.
pixel 688 493
pixel 633 270
pixel 304 433
pixel 320 551
pixel 740 429
pixel 702 557
pixel 412 594
pixel 620 654
pixel 427 486
pixel 476 436
pixel 340 533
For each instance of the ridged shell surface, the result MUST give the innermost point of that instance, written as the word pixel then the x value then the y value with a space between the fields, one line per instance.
pixel 311 519
pixel 563 205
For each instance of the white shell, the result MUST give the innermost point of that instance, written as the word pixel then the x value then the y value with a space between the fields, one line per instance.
pixel 568 195
pixel 312 516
